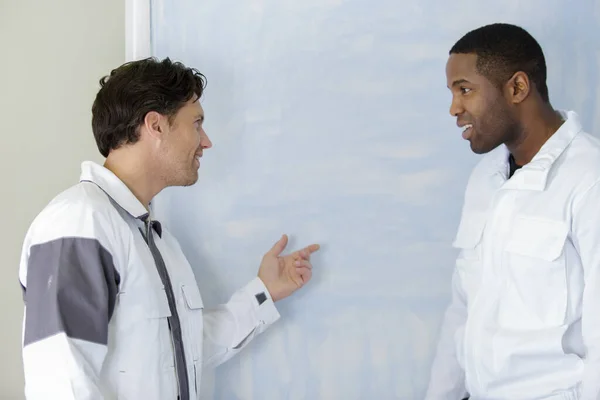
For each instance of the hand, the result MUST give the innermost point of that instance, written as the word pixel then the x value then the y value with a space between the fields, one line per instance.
pixel 284 275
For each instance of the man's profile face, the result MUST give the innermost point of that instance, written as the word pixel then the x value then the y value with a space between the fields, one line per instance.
pixel 184 143
pixel 479 106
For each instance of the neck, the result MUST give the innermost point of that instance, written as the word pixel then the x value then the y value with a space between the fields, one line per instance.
pixel 539 122
pixel 136 172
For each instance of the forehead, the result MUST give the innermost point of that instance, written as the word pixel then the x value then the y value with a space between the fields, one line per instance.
pixel 191 109
pixel 462 67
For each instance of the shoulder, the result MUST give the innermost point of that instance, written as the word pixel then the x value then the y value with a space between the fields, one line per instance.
pixel 577 169
pixel 582 156
pixel 81 211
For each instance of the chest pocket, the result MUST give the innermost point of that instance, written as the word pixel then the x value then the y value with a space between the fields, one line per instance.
pixel 142 325
pixel 469 262
pixel 192 319
pixel 535 272
pixel 144 344
pixel 193 327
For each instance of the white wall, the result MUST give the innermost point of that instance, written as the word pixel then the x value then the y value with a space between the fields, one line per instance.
pixel 52 55
pixel 330 122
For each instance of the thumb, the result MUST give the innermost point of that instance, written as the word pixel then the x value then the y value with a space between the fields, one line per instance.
pixel 279 246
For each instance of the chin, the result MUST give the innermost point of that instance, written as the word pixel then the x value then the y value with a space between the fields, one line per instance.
pixel 193 178
pixel 186 180
pixel 478 150
pixel 190 182
pixel 482 148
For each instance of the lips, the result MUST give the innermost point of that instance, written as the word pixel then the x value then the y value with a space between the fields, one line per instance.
pixel 467 130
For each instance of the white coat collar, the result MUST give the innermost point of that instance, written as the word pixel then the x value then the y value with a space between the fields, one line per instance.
pixel 114 188
pixel 533 175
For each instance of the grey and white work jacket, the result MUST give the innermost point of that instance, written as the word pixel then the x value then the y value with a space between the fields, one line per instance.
pixel 112 308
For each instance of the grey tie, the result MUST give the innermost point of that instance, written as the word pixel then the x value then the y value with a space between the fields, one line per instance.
pixel 174 323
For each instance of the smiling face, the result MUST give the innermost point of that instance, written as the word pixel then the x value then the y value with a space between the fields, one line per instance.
pixel 480 107
pixel 183 144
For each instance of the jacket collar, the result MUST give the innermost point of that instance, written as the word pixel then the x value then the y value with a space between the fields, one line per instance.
pixel 116 189
pixel 533 176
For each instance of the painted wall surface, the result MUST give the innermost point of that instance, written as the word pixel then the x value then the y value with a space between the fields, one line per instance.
pixel 330 122
pixel 53 54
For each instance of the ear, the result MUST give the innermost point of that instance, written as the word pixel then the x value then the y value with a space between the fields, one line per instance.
pixel 518 87
pixel 155 125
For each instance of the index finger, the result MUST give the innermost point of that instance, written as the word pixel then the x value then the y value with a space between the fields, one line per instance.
pixel 312 248
pixel 306 252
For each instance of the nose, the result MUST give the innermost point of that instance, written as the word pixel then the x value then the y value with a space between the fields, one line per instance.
pixel 456 107
pixel 205 140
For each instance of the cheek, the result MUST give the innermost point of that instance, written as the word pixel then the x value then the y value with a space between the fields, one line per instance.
pixel 196 138
pixel 498 124
pixel 191 142
pixel 473 106
pixel 485 112
pixel 182 148
pixel 498 114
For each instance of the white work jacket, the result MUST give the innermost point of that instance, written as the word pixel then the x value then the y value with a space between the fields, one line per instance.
pixel 524 319
pixel 107 308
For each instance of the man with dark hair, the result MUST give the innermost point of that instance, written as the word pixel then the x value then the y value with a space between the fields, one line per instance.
pixel 112 308
pixel 523 319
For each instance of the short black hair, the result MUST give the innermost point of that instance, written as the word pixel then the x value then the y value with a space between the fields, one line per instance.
pixel 135 89
pixel 502 50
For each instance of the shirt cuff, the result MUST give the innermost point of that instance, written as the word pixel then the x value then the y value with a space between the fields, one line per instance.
pixel 261 298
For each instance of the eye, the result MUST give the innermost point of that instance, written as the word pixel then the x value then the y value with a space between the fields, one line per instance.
pixel 464 90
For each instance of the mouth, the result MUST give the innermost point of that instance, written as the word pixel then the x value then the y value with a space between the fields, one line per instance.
pixel 197 159
pixel 467 131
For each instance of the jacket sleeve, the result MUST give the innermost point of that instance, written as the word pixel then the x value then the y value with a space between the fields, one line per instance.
pixel 69 284
pixel 586 238
pixel 447 380
pixel 229 327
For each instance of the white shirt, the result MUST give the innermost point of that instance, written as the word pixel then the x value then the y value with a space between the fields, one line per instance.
pixel 524 320
pixel 100 322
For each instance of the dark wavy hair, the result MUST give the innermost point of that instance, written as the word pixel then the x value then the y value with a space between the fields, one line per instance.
pixel 133 90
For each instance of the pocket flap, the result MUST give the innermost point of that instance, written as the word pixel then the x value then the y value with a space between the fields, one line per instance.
pixel 537 237
pixel 470 230
pixel 192 297
pixel 145 303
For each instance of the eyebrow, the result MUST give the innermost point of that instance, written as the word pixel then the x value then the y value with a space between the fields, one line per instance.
pixel 459 82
